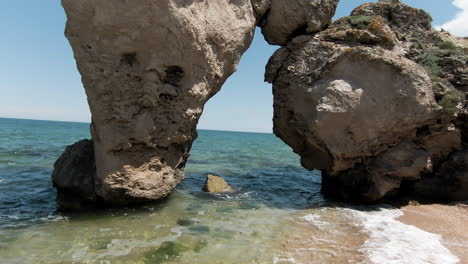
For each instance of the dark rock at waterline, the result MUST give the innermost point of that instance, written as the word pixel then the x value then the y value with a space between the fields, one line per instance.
pixel 449 182
pixel 74 174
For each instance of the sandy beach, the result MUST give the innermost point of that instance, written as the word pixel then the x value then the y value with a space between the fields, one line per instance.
pixel 449 221
pixel 323 235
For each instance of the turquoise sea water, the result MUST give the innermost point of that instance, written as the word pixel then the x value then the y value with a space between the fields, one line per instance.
pixel 270 182
pixel 276 216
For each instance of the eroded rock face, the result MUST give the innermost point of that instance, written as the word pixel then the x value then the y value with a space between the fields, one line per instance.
pixel 360 100
pixel 287 19
pixel 148 69
pixel 361 103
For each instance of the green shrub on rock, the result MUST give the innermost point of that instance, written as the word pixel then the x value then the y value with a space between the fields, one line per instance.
pixel 447 45
pixel 430 59
pixel 451 100
pixel 360 22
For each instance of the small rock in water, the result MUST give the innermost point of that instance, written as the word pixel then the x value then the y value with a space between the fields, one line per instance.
pixel 216 184
pixel 200 229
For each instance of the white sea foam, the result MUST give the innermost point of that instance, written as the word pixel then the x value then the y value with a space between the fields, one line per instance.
pixel 391 241
pixel 54 218
pixel 315 220
pixel 234 196
pixel 14 217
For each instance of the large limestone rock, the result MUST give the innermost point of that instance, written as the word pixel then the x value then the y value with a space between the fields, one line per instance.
pixel 368 101
pixel 375 100
pixel 148 68
pixel 361 103
pixel 287 19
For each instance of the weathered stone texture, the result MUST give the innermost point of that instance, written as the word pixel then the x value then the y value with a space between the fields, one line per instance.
pixel 359 100
pixel 148 69
pixel 287 19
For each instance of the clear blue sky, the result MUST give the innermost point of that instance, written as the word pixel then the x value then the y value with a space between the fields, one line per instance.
pixel 39 79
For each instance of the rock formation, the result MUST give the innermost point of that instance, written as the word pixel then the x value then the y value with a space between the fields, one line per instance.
pixel 373 102
pixel 216 184
pixel 74 174
pixel 288 19
pixel 148 69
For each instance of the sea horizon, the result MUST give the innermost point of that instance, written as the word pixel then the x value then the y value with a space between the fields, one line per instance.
pixel 89 123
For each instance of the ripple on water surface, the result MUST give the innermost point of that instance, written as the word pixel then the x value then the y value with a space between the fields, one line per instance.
pixel 268 220
pixel 189 227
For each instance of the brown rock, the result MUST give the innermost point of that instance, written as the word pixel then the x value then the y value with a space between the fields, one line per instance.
pixel 287 19
pixel 216 184
pixel 357 102
pixel 148 69
pixel 362 102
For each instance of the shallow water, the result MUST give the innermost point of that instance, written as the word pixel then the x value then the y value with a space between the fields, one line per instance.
pixel 277 214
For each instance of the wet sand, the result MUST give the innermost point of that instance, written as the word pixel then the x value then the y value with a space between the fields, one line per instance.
pixel 322 236
pixel 449 221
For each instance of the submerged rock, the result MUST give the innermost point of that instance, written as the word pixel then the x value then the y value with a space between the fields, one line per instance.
pixel 199 229
pixel 167 252
pixel 216 184
pixel 357 100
